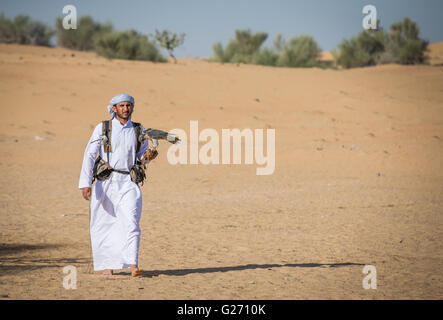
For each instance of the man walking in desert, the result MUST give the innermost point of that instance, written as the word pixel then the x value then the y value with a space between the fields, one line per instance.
pixel 115 201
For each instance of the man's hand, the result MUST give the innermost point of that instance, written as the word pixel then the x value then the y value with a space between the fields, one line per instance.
pixel 149 155
pixel 152 154
pixel 86 193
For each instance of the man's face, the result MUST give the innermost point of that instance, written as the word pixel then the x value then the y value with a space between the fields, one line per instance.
pixel 123 109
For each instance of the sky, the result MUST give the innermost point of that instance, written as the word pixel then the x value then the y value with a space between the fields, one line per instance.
pixel 206 22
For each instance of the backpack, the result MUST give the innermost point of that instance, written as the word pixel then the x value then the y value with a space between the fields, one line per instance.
pixel 101 170
pixel 107 132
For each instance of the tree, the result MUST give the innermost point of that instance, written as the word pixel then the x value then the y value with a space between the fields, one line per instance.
pixel 301 51
pixel 279 43
pixel 371 47
pixel 23 30
pixel 128 45
pixel 83 38
pixel 405 44
pixel 265 57
pixel 243 49
pixel 366 49
pixel 247 48
pixel 249 43
pixel 169 41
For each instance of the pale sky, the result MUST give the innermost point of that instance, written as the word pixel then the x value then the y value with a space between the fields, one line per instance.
pixel 206 22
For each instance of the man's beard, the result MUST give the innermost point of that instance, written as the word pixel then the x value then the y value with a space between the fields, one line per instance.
pixel 121 116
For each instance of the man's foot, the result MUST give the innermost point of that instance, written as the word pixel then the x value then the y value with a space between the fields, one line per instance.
pixel 135 271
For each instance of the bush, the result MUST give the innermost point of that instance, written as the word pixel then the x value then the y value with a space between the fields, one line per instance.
pixel 23 30
pixel 83 38
pixel 405 45
pixel 371 47
pixel 299 52
pixel 219 53
pixel 248 43
pixel 128 45
pixel 235 54
pixel 364 50
pixel 279 43
pixel 101 38
pixel 169 41
pixel 243 49
pixel 265 57
pixel 246 48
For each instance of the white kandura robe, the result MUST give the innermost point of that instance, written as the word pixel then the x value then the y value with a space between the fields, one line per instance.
pixel 116 203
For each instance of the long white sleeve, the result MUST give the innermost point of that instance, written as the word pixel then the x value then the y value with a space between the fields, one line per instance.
pixel 92 148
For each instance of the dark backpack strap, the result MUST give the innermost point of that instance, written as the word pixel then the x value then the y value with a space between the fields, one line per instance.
pixel 138 132
pixel 107 131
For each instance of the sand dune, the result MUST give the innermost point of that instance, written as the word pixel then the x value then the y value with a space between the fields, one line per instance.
pixel 358 180
pixel 326 56
pixel 436 53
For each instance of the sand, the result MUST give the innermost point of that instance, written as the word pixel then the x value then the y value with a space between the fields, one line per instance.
pixel 358 180
pixel 436 53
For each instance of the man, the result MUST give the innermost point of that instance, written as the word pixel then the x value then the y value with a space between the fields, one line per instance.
pixel 116 203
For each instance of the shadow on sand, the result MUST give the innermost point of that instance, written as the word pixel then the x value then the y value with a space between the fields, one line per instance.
pixel 184 272
pixel 18 257
pixel 14 258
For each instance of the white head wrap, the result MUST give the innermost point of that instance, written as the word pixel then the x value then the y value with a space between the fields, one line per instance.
pixel 117 99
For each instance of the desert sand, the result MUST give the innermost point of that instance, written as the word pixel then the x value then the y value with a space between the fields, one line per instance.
pixel 358 179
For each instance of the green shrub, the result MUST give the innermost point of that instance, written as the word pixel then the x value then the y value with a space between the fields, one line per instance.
pixel 219 53
pixel 265 57
pixel 405 45
pixel 366 49
pixel 279 43
pixel 235 54
pixel 23 30
pixel 83 38
pixel 371 47
pixel 299 52
pixel 128 45
pixel 169 41
pixel 6 34
pixel 249 43
pixel 243 49
pixel 246 48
